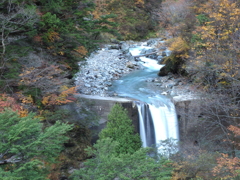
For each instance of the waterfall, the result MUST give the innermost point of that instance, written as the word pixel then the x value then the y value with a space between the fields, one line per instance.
pixel 157 124
pixel 157 116
pixel 147 130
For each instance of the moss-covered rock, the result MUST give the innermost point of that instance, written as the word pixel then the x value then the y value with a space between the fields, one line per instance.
pixel 173 64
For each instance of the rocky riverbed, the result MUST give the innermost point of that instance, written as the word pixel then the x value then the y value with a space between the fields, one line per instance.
pixel 114 61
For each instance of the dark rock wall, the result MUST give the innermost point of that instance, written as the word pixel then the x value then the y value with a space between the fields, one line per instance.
pixel 102 107
pixel 187 112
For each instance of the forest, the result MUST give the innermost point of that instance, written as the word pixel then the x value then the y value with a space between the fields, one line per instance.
pixel 41 45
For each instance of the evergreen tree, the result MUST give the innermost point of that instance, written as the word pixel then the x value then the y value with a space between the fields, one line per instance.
pixel 26 150
pixel 107 166
pixel 120 129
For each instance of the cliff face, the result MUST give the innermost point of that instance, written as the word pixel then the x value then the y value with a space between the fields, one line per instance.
pixel 187 110
pixel 101 107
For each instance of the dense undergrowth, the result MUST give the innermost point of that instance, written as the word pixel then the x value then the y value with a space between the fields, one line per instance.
pixel 205 48
pixel 42 42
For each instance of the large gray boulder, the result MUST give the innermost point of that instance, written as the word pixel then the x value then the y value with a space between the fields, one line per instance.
pixel 163 71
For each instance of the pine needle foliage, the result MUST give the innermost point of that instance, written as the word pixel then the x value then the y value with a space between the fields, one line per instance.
pixel 106 165
pixel 120 129
pixel 26 150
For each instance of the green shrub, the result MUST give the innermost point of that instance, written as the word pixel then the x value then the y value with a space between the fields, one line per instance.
pixel 120 129
pixel 106 165
pixel 28 149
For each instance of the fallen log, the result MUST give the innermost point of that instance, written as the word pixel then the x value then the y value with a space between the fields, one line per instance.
pixel 141 55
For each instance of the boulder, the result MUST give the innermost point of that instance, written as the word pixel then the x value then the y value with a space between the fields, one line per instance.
pixel 164 54
pixel 163 71
pixel 147 51
pixel 114 46
pixel 87 85
pixel 173 64
pixel 160 61
pixel 131 64
pixel 153 56
pixel 108 83
pixel 159 58
pixel 163 48
pixel 125 47
pixel 115 41
pixel 129 57
pixel 152 42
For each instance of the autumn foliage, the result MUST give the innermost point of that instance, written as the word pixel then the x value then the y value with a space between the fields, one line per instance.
pixel 227 167
pixel 47 77
pixel 205 38
pixel 173 15
pixel 208 31
pixel 80 51
pixel 63 98
pixel 9 102
pixel 179 46
pixel 218 40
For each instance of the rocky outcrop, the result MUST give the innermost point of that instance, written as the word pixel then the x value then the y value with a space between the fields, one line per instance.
pixel 102 107
pixel 188 111
pixel 173 64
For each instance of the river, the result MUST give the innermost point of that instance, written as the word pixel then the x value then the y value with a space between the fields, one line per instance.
pixel 158 121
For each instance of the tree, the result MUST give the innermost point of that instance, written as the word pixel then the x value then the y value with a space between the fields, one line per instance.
pixel 130 26
pixel 217 47
pixel 192 162
pixel 27 150
pixel 120 129
pixel 211 135
pixel 70 35
pixel 15 20
pixel 61 33
pixel 228 167
pixel 175 15
pixel 106 165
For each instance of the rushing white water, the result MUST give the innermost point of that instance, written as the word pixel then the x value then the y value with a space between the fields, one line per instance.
pixel 150 64
pixel 157 117
pixel 165 123
pixel 142 127
pixel 162 123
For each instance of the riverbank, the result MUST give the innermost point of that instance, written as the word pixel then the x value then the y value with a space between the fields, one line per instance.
pixel 101 68
pixel 114 61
